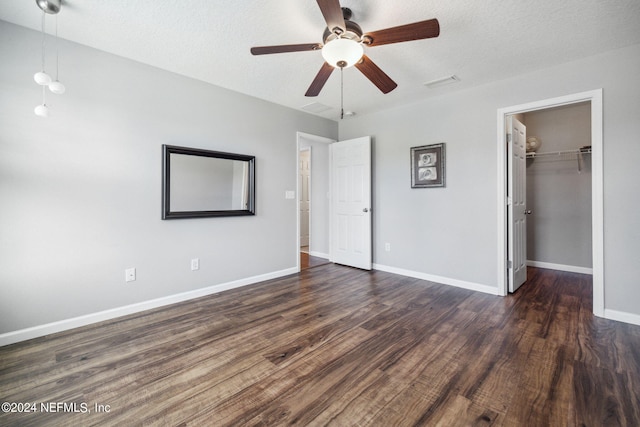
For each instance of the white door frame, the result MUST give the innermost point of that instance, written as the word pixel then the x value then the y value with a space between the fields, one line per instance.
pixel 314 138
pixel 597 188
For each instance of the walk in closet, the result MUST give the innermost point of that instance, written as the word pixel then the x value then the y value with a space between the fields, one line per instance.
pixel 559 187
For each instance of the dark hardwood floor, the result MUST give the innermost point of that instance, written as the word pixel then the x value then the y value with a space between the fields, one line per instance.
pixel 308 261
pixel 344 347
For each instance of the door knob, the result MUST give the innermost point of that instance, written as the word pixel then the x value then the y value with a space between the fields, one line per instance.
pixel 527 212
pixel 365 210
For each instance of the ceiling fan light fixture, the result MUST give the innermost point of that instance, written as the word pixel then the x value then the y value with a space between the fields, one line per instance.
pixel 342 52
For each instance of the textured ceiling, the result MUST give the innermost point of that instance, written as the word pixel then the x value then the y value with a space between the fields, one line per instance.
pixel 480 41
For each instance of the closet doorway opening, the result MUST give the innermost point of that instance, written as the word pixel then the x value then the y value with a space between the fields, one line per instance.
pixel 558 188
pixel 313 203
pixel 568 136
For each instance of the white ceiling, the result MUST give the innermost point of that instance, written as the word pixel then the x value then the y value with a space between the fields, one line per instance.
pixel 209 40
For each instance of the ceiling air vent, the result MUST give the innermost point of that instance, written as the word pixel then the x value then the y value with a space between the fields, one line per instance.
pixel 442 81
pixel 315 107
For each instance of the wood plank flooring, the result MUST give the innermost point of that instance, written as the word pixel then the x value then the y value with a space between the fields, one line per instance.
pixel 342 347
pixel 309 261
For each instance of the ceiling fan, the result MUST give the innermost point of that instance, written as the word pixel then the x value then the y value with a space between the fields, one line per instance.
pixel 343 42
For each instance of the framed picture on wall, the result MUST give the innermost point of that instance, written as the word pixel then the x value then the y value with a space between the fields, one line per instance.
pixel 428 166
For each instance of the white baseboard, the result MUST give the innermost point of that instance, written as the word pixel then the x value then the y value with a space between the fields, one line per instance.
pixel 439 279
pixel 561 267
pixel 622 316
pixel 319 254
pixel 75 322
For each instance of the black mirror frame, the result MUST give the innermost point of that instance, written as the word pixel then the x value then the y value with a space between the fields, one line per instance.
pixel 167 150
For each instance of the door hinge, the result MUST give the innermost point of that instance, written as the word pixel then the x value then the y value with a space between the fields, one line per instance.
pixel 508 201
pixel 508 138
pixel 509 264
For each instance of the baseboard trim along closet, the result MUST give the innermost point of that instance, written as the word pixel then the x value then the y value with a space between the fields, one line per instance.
pixel 319 254
pixel 560 267
pixel 75 322
pixel 622 316
pixel 439 279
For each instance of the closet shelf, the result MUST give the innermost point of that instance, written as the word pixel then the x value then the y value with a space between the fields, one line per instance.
pixel 568 154
pixel 563 155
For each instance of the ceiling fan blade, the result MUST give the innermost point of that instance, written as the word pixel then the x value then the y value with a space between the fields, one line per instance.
pixel 403 33
pixel 265 50
pixel 332 13
pixel 376 75
pixel 318 83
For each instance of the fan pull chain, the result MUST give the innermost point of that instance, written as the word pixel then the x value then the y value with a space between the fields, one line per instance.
pixel 341 94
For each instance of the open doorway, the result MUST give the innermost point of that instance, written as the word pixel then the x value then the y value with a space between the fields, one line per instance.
pixel 549 191
pixel 558 187
pixel 313 171
pixel 594 99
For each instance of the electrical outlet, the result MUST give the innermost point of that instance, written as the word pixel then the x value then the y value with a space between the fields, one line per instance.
pixel 195 264
pixel 130 275
pixel 387 247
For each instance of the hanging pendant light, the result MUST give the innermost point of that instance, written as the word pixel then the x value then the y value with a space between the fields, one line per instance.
pixel 41 77
pixel 42 110
pixel 55 86
pixel 51 7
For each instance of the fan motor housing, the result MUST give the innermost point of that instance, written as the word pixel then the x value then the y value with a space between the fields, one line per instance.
pixel 353 30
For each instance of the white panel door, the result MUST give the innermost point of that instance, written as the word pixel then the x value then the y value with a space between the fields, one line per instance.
pixel 305 198
pixel 351 202
pixel 517 202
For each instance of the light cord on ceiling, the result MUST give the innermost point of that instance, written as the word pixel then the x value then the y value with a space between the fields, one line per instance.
pixel 43 41
pixel 57 48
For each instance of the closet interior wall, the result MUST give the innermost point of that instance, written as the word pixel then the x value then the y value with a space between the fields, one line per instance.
pixel 559 187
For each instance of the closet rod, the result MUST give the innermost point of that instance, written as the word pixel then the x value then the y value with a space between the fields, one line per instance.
pixel 563 155
pixel 532 155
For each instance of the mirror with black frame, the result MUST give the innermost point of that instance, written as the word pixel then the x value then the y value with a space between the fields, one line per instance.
pixel 199 183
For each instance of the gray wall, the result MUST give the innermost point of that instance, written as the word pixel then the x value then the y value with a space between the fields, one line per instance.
pixel 558 194
pixel 80 192
pixel 451 232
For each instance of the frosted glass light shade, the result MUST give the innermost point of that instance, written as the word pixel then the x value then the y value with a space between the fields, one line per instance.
pixel 339 50
pixel 57 87
pixel 42 78
pixel 41 111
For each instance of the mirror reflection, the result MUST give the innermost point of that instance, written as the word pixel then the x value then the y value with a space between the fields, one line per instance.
pixel 201 183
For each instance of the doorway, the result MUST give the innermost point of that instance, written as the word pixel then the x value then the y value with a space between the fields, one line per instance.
pixel 558 187
pixel 304 184
pixel 313 207
pixel 597 226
